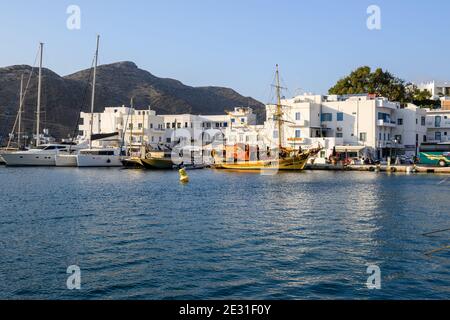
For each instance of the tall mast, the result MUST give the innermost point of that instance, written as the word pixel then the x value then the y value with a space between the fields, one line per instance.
pixel 38 109
pixel 19 129
pixel 131 126
pixel 143 132
pixel 94 79
pixel 279 113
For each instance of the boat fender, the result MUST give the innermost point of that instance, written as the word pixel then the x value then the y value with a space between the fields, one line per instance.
pixel 393 169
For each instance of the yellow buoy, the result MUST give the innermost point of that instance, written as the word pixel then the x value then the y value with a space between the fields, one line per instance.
pixel 184 178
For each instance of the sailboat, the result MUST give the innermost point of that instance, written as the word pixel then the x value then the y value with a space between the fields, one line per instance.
pixel 41 154
pixel 9 149
pixel 98 157
pixel 284 158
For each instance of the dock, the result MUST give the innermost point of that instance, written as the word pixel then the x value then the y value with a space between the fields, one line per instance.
pixel 380 168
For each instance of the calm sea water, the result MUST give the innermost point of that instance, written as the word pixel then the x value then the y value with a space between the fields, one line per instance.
pixel 143 235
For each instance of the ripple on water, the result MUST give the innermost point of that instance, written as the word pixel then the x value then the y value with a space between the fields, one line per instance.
pixel 142 235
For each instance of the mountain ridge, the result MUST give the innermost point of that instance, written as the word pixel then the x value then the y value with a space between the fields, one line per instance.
pixel 63 97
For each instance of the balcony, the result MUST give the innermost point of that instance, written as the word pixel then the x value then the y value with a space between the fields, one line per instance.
pixel 432 139
pixel 443 124
pixel 382 103
pixel 387 123
pixel 299 123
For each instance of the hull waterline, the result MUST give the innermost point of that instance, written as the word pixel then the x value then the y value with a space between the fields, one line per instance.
pixel 99 161
pixel 66 161
pixel 29 160
pixel 158 164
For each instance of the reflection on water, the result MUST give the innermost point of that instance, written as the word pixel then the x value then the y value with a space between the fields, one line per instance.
pixel 143 235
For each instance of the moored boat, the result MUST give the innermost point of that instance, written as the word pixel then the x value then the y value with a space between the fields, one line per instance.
pixel 281 159
pixel 103 157
pixel 133 163
pixel 288 160
pixel 43 155
pixel 158 160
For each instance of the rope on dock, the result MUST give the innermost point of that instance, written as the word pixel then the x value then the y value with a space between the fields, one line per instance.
pixel 437 250
pixel 434 232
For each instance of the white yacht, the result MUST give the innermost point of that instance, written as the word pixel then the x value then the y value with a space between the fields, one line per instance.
pixel 43 155
pixel 69 159
pixel 103 157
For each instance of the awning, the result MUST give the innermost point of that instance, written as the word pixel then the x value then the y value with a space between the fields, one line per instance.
pixel 349 148
pixel 103 136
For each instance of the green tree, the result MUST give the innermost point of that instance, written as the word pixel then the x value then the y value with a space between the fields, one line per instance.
pixel 381 83
pixel 422 98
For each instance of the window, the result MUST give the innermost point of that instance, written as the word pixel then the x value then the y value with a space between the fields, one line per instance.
pixel 130 126
pixel 423 121
pixel 400 122
pixel 340 116
pixel 363 136
pixel 174 125
pixel 386 117
pixel 168 125
pixel 139 125
pixel 233 120
pixel 339 135
pixel 179 125
pixel 437 122
pixel 225 124
pixel 327 117
pixel 398 138
pixel 208 125
pixel 298 116
pixel 168 140
pixel 153 139
pixel 242 120
pixel 217 125
pixel 185 124
pixel 298 133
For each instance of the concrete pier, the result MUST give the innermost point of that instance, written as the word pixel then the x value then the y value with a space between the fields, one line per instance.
pixel 381 168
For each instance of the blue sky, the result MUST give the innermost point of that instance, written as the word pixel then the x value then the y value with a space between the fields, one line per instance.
pixel 235 43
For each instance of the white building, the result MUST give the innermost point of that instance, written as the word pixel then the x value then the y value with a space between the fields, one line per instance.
pixel 134 127
pixel 206 128
pixel 358 125
pixel 436 88
pixel 411 130
pixel 438 124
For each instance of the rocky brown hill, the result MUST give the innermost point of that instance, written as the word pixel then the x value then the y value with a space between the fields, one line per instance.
pixel 64 97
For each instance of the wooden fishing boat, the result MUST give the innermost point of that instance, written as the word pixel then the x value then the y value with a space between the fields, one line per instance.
pixel 282 158
pixel 133 163
pixel 288 160
pixel 158 160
